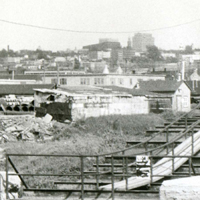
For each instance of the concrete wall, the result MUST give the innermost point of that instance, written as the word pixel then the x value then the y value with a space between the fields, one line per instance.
pixel 181 189
pixel 126 105
pixel 181 99
pixel 84 106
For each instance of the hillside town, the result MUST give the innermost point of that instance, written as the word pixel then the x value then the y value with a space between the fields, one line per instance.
pixel 100 100
pixel 100 79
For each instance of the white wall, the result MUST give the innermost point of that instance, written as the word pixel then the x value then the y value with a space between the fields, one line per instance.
pixel 181 99
pixel 126 105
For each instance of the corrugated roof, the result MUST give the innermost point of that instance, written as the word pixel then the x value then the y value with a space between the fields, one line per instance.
pixel 21 77
pixel 22 89
pixel 134 92
pixel 195 85
pixel 159 85
pixel 84 89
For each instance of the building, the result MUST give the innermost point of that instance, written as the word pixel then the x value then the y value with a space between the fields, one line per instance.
pixel 103 46
pixel 99 55
pixel 140 41
pixel 19 97
pixel 167 95
pixel 128 54
pixel 99 79
pixel 191 58
pixel 20 79
pixel 117 55
pixel 72 103
pixel 102 40
pixel 194 76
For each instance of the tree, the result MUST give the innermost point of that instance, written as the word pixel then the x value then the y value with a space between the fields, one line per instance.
pixel 188 49
pixel 153 53
pixel 3 53
pixel 141 61
pixel 41 54
pixel 76 63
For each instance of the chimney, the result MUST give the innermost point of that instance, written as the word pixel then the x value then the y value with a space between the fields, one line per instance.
pixel 179 77
pixel 13 74
pixel 183 70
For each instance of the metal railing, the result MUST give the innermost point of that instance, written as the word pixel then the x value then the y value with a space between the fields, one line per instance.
pixel 97 174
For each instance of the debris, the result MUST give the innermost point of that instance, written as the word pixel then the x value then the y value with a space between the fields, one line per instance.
pixel 67 121
pixel 26 128
pixel 47 118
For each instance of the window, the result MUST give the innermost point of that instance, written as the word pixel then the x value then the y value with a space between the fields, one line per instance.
pixel 85 81
pixel 53 80
pixel 63 81
pixel 99 81
pixel 121 81
pixel 131 82
pixel 95 81
pixel 112 81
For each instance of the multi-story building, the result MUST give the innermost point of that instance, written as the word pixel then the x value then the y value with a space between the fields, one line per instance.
pixel 128 54
pixel 141 40
pixel 122 80
pixel 102 40
pixel 103 46
pixel 99 55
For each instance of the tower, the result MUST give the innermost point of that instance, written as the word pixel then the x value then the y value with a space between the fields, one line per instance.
pixel 129 46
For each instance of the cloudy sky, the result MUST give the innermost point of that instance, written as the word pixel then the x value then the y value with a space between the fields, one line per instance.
pixel 94 19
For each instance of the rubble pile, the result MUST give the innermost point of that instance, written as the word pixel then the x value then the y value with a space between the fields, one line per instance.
pixel 26 128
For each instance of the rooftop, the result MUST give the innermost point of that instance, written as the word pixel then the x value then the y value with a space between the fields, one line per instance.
pixel 159 85
pixel 22 89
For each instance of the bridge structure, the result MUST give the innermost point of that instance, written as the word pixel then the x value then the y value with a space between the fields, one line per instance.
pixel 172 151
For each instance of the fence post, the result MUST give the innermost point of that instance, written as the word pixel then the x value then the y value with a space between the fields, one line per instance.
pixel 82 178
pixel 97 171
pixel 190 163
pixel 7 197
pixel 172 157
pixel 126 173
pixel 123 165
pixel 146 147
pixel 192 141
pixel 167 140
pixel 112 172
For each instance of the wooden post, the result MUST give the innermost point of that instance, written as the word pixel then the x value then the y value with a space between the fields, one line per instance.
pixel 167 139
pixel 7 197
pixel 192 141
pixel 146 147
pixel 82 178
pixel 173 158
pixel 112 171
pixel 97 171
pixel 123 165
pixel 126 173
pixel 190 163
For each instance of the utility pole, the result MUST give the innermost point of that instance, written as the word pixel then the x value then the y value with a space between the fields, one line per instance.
pixel 44 77
pixel 57 73
pixel 183 70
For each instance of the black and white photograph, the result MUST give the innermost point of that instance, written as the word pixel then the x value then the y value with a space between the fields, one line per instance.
pixel 100 99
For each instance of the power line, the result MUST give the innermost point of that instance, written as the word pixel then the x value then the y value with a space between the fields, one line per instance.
pixel 93 32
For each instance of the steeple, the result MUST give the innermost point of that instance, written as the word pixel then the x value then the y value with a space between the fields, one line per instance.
pixel 129 43
pixel 106 70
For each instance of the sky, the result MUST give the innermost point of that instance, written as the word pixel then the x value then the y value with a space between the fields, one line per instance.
pixel 94 19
